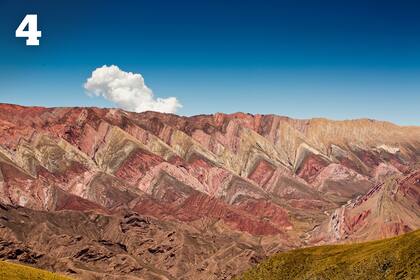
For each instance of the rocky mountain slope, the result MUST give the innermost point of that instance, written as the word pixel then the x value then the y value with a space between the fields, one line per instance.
pixel 160 196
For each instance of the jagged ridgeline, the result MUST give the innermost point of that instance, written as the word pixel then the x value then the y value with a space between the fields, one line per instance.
pixel 100 193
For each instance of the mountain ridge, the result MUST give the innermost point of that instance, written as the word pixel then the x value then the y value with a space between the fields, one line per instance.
pixel 273 182
pixel 363 119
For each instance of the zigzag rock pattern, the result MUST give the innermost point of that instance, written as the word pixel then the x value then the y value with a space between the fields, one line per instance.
pixel 106 193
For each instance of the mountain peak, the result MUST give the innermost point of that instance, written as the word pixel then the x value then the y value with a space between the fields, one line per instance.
pixel 155 185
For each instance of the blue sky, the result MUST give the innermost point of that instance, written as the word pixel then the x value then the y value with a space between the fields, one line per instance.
pixel 334 59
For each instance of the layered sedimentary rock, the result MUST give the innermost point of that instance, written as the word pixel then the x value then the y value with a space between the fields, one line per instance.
pixel 230 188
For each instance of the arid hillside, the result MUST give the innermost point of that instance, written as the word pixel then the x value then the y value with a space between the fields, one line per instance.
pixel 97 193
pixel 391 259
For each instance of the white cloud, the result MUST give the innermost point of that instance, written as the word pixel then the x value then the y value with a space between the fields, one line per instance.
pixel 127 90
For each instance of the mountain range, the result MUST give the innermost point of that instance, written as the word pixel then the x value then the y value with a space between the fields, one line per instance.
pixel 105 193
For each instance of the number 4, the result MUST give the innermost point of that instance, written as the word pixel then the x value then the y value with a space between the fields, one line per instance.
pixel 32 33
